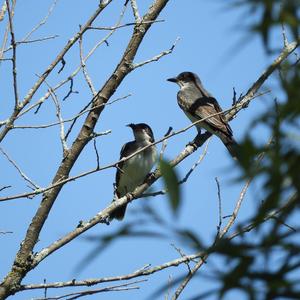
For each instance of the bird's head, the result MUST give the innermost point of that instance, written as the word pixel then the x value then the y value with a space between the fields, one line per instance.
pixel 142 132
pixel 185 78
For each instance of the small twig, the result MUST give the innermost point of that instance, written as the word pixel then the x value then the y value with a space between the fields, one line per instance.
pixel 182 254
pixel 23 175
pixel 234 97
pixel 284 224
pixel 5 59
pixel 135 11
pixel 63 63
pixel 14 55
pixel 194 166
pixel 219 206
pixel 70 89
pixel 156 57
pixel 97 154
pixel 124 25
pixel 3 11
pixel 5 187
pixel 79 294
pixel 5 232
pixel 285 40
pixel 84 110
pixel 84 70
pixel 60 120
pixel 42 39
pixel 164 144
pixel 42 22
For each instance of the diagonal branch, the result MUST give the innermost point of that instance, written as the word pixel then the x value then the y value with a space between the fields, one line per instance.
pixel 23 175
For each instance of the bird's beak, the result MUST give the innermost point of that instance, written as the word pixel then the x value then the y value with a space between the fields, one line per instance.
pixel 174 79
pixel 131 125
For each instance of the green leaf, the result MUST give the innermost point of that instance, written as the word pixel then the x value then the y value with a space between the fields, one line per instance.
pixel 171 184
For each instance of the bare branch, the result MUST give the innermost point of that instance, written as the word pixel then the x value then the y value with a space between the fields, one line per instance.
pixel 219 206
pixel 135 11
pixel 124 25
pixel 79 294
pixel 84 70
pixel 23 175
pixel 14 55
pixel 97 154
pixel 195 165
pixel 164 143
pixel 3 10
pixel 156 57
pixel 245 100
pixel 5 232
pixel 42 39
pixel 60 120
pixel 42 22
pixel 5 187
pixel 81 113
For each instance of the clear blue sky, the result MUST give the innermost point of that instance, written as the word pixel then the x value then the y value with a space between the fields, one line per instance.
pixel 213 43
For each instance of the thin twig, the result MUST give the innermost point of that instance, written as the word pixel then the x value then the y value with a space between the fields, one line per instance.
pixel 60 120
pixel 135 11
pixel 84 70
pixel 5 232
pixel 5 187
pixel 97 154
pixel 23 175
pixel 156 57
pixel 79 294
pixel 164 143
pixel 3 10
pixel 219 206
pixel 124 25
pixel 14 55
pixel 195 165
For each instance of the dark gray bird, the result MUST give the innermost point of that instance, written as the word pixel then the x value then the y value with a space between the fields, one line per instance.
pixel 197 103
pixel 133 171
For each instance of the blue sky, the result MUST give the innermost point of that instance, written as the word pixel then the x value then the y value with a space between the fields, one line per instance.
pixel 214 44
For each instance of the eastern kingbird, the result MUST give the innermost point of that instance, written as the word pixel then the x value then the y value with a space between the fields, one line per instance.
pixel 197 104
pixel 133 171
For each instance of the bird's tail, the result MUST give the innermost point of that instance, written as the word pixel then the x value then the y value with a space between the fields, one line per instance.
pixel 119 213
pixel 232 146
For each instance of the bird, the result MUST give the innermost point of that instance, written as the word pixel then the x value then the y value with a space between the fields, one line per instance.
pixel 197 103
pixel 132 172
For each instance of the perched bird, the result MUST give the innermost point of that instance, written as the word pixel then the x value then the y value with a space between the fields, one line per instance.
pixel 133 171
pixel 197 104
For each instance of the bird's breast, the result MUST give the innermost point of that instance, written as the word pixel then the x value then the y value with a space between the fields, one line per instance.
pixel 135 170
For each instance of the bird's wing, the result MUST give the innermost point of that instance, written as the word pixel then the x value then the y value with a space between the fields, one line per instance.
pixel 126 150
pixel 206 106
